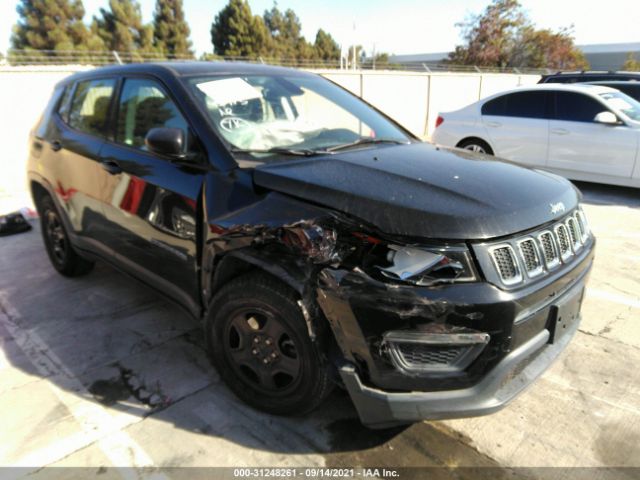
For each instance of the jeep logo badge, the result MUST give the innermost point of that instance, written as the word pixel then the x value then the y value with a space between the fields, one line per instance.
pixel 557 208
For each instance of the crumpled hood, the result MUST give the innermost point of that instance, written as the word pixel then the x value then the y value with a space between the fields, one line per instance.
pixel 425 191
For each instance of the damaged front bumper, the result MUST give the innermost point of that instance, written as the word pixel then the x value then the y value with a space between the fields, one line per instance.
pixel 380 409
pixel 527 328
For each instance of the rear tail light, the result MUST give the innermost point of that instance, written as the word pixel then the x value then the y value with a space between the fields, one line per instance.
pixel 439 121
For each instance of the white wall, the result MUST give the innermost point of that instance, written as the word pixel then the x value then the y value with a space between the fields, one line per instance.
pixel 411 98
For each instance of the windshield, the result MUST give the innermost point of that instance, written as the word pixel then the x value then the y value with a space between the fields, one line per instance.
pixel 298 114
pixel 623 103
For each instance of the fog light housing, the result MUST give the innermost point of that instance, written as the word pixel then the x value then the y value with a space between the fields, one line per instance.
pixel 415 352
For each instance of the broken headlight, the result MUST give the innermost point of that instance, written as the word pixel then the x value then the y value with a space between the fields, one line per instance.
pixel 427 266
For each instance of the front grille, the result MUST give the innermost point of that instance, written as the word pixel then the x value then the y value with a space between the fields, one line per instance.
pixel 418 355
pixel 538 252
pixel 505 261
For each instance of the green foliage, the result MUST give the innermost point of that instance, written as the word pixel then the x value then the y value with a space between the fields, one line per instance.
pixel 326 47
pixel 631 64
pixel 51 25
pixel 170 30
pixel 121 29
pixel 286 35
pixel 237 32
pixel 503 36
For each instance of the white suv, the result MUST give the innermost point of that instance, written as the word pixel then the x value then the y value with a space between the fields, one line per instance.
pixel 582 132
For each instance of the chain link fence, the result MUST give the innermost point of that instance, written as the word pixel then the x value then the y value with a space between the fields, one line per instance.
pixel 96 58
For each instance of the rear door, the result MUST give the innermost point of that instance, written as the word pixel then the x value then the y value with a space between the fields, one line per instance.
pixel 72 154
pixel 517 125
pixel 578 144
pixel 149 203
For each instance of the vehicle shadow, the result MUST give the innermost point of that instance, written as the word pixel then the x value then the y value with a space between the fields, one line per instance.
pixel 599 194
pixel 113 344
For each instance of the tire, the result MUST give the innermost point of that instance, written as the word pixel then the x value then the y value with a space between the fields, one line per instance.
pixel 61 253
pixel 475 145
pixel 258 340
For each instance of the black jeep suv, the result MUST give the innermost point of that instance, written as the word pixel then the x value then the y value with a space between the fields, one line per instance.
pixel 318 241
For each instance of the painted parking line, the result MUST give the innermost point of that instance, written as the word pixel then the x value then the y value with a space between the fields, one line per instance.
pixel 97 424
pixel 614 297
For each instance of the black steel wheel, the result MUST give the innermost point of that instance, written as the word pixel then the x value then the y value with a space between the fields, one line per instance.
pixel 260 345
pixel 61 253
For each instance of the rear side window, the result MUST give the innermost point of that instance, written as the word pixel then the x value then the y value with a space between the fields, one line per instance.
pixel 576 107
pixel 42 128
pixel 144 105
pixel 519 104
pixel 65 104
pixel 90 106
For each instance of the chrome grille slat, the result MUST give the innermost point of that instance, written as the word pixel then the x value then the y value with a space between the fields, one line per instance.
pixel 564 243
pixel 549 249
pixel 574 236
pixel 531 258
pixel 504 259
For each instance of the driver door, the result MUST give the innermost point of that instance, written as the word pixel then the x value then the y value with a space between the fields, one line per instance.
pixel 578 144
pixel 149 203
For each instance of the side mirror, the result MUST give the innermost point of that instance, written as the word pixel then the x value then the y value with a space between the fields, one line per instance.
pixel 606 118
pixel 166 141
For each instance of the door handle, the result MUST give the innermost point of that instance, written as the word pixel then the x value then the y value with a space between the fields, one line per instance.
pixel 56 145
pixel 111 166
pixel 494 124
pixel 560 131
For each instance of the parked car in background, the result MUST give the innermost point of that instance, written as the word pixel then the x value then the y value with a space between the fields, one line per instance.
pixel 579 131
pixel 317 241
pixel 630 88
pixel 589 76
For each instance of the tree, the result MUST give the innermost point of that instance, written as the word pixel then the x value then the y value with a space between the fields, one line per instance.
pixel 631 64
pixel 286 35
pixel 170 30
pixel 326 47
pixel 237 32
pixel 121 28
pixel 548 49
pixel 50 25
pixel 503 36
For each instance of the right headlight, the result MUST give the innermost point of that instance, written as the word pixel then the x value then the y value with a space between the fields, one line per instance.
pixel 427 266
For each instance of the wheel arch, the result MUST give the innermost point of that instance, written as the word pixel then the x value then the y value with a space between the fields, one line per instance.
pixel 475 138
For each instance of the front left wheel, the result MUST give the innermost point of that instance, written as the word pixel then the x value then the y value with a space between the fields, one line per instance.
pixel 259 342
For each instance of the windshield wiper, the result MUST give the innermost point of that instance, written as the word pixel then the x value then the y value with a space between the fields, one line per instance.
pixel 364 141
pixel 298 152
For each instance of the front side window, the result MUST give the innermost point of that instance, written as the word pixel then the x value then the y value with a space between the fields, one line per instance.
pixel 90 106
pixel 144 105
pixel 577 107
pixel 519 104
pixel 622 102
pixel 259 112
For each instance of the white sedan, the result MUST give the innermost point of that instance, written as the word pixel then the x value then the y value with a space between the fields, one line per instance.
pixel 582 132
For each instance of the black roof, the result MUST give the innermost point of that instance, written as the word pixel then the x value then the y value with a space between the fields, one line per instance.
pixel 187 69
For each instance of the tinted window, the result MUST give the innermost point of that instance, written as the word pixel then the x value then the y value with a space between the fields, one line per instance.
pixel 90 106
pixel 143 106
pixel 520 104
pixel 632 90
pixel 576 107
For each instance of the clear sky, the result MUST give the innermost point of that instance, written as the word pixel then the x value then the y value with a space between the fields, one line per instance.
pixel 398 26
